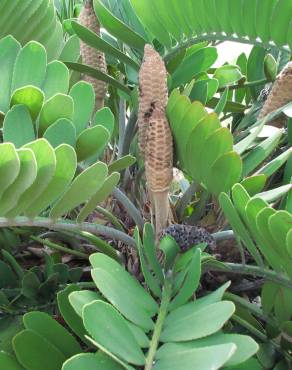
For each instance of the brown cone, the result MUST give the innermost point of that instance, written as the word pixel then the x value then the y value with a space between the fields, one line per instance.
pixel 152 91
pixel 155 139
pixel 91 56
pixel 281 94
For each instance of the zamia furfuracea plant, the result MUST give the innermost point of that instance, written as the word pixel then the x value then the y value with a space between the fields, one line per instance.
pixel 131 330
pixel 155 138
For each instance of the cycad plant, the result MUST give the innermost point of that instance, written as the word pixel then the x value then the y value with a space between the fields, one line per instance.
pixel 181 142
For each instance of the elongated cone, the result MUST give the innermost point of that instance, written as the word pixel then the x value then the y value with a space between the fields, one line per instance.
pixel 155 139
pixel 91 56
pixel 152 91
pixel 281 94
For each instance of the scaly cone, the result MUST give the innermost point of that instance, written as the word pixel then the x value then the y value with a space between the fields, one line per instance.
pixel 91 56
pixel 152 91
pixel 281 94
pixel 155 139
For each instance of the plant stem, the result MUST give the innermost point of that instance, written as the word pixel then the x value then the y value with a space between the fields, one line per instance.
pixel 212 37
pixel 81 285
pixel 254 271
pixel 247 84
pixel 58 247
pixel 101 245
pixel 112 218
pixel 223 235
pixel 254 309
pixel 122 126
pixel 166 295
pixel 129 133
pixel 250 327
pixel 130 207
pixel 70 226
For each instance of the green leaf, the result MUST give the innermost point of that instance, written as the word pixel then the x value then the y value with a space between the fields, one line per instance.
pixel 196 143
pixel 230 106
pixel 191 117
pixel 121 342
pixel 30 96
pixel 274 194
pixel 289 242
pixel 83 97
pixel 123 291
pixel 56 80
pixel 71 49
pixel 91 141
pixel 65 169
pixel 222 102
pixel 102 193
pixel 150 251
pixel 275 164
pixel 8 279
pixel 30 66
pixel 254 184
pixel 268 296
pixel 181 358
pixel 237 225
pixel 46 165
pixel 9 48
pixel 245 346
pixel 121 163
pixel 243 145
pixel 227 75
pixel 191 282
pixel 18 127
pixel 281 26
pixel 170 250
pixel 185 323
pixel 217 144
pixel 30 285
pixel 177 109
pixel 90 361
pixel 52 331
pixel 13 263
pixel 9 326
pixel 59 106
pixel 224 173
pixel 117 28
pixel 260 152
pixel 82 188
pixel 79 299
pixel 199 91
pixel 99 76
pixel 61 132
pixel 9 166
pixel 280 224
pixel 149 278
pixel 198 62
pixel 139 335
pixel 104 117
pixel 255 68
pixel 269 248
pixel 9 362
pixel 73 320
pixel 270 67
pixel 34 352
pixel 93 40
